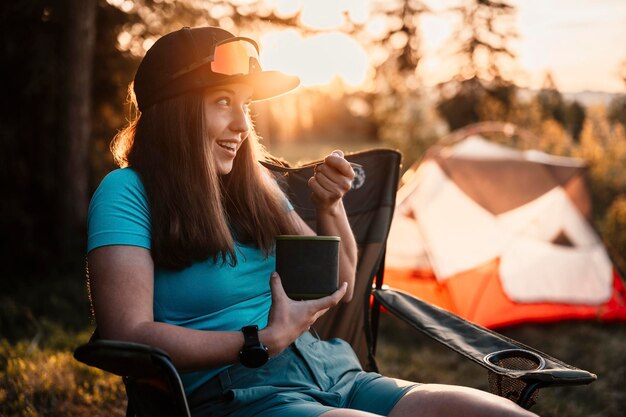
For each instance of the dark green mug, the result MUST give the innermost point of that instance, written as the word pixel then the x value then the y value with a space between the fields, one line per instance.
pixel 308 265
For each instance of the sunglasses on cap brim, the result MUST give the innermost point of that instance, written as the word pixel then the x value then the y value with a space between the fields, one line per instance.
pixel 233 56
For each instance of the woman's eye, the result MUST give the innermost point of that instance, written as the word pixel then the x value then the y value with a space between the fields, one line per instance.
pixel 224 101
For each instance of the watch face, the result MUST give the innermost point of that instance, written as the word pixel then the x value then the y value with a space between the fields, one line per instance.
pixel 254 356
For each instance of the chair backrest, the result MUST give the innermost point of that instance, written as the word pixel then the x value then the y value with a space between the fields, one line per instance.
pixel 369 205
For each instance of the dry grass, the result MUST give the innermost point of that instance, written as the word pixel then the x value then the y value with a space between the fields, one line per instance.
pixel 39 377
pixel 37 382
pixel 599 348
pixel 49 382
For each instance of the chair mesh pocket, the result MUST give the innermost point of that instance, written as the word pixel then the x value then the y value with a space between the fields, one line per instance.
pixel 510 388
pixel 513 360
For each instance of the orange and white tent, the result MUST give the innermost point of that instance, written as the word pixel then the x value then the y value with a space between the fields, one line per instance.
pixel 501 236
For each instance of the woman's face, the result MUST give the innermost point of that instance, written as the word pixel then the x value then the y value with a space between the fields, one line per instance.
pixel 226 114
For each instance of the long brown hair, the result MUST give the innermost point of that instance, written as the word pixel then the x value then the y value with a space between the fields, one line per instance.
pixel 197 214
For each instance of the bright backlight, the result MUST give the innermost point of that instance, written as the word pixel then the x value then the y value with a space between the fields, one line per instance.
pixel 317 60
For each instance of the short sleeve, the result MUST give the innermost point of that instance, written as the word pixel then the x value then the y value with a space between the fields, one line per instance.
pixel 119 213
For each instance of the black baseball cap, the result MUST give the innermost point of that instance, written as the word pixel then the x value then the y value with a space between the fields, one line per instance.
pixel 195 58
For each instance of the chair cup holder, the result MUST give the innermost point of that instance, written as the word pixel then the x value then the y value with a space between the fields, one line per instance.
pixel 512 360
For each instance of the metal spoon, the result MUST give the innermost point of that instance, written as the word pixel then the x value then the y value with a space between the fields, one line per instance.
pixel 281 168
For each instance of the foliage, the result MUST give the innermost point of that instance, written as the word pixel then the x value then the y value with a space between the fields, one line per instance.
pixel 395 109
pixel 40 326
pixel 481 39
pixel 574 118
pixel 554 139
pixel 42 382
pixel 603 146
pixel 552 105
pixel 617 110
pixel 409 124
pixel 398 47
pixel 480 91
pixel 463 102
pixel 551 101
pixel 613 227
pixel 397 105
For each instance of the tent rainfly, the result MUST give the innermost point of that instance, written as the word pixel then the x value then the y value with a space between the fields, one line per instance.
pixel 501 236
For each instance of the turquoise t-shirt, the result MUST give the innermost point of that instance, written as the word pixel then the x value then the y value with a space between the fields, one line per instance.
pixel 204 296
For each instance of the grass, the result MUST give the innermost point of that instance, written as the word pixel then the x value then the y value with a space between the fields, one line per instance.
pixel 48 382
pixel 42 324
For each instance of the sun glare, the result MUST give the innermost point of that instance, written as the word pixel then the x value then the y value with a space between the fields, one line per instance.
pixel 321 59
pixel 317 60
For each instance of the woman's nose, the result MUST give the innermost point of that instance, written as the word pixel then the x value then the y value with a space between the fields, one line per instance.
pixel 240 122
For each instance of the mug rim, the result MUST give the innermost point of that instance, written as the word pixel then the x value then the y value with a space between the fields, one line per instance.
pixel 308 237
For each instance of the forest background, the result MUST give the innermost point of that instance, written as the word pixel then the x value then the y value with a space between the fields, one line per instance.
pixel 66 68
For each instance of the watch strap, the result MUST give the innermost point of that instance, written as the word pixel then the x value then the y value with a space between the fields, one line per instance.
pixel 253 354
pixel 251 336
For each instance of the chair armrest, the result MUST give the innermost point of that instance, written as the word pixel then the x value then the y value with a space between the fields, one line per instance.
pixel 479 344
pixel 122 358
pixel 152 382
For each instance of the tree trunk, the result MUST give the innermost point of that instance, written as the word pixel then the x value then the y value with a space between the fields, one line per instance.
pixel 74 169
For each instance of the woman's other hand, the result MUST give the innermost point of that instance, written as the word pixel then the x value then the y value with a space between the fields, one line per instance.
pixel 288 318
pixel 331 180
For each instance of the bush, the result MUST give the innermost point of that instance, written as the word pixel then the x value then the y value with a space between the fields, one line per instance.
pixel 614 225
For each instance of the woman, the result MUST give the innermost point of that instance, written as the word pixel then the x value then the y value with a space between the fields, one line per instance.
pixel 181 243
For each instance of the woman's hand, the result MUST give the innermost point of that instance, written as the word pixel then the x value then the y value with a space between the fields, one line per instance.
pixel 331 180
pixel 288 318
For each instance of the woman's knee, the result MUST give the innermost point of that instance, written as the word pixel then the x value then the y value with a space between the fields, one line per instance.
pixel 434 400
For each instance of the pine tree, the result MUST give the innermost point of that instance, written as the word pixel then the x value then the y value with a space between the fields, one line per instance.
pixel 480 44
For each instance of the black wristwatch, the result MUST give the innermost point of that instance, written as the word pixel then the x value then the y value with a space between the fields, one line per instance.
pixel 253 354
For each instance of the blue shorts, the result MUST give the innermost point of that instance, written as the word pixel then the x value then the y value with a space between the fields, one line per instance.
pixel 307 379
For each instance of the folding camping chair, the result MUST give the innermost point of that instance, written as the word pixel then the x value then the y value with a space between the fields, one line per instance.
pixel 154 387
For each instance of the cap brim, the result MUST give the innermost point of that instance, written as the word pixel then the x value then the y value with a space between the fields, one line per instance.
pixel 266 84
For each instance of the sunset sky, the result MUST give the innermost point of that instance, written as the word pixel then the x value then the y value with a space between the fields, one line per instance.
pixel 582 43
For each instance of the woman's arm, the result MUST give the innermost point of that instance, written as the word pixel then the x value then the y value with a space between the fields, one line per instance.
pixel 122 286
pixel 331 180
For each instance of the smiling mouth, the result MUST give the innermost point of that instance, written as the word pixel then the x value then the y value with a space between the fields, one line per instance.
pixel 229 146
